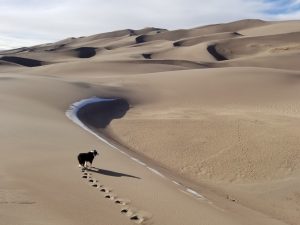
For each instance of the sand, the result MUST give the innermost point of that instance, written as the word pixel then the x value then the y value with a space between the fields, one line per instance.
pixel 206 131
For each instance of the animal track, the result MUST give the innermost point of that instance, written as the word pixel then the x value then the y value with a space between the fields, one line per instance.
pixel 120 201
pixel 124 210
pixel 133 214
pixel 103 189
pixel 136 215
pixel 134 218
pixel 108 196
pixel 138 218
pixel 91 180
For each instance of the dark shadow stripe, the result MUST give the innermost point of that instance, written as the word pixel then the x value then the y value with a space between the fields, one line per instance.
pixel 147 55
pixel 22 61
pixel 86 52
pixel 212 50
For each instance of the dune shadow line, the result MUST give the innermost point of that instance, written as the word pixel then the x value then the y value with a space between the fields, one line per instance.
pixel 85 52
pixel 213 51
pixel 22 61
pixel 100 114
pixel 111 173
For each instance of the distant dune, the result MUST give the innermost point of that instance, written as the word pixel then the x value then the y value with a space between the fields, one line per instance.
pixel 207 119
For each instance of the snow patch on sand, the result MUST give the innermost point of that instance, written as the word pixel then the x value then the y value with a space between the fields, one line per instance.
pixel 71 113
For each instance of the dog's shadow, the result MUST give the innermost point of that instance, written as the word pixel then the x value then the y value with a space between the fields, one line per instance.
pixel 110 173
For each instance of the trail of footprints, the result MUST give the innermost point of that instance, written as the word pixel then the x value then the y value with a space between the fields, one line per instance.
pixel 132 213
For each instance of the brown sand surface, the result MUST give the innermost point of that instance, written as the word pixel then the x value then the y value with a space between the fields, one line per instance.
pixel 215 108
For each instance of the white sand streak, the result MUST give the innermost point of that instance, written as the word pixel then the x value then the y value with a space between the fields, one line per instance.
pixel 71 113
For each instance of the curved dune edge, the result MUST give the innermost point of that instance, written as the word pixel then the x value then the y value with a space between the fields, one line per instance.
pixel 213 51
pixel 72 112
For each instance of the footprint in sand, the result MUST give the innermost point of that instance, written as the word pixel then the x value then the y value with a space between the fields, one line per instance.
pixel 121 201
pixel 135 218
pixel 91 180
pixel 105 190
pixel 124 211
pixel 110 196
pixel 136 215
pixel 128 211
pixel 96 185
pixel 139 218
pixel 86 174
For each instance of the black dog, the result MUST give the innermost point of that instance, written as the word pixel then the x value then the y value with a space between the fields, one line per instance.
pixel 88 157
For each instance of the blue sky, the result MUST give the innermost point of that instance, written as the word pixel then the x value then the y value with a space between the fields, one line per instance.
pixel 29 22
pixel 282 7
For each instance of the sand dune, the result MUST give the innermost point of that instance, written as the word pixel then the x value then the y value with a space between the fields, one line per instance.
pixel 272 28
pixel 234 26
pixel 251 46
pixel 206 30
pixel 205 128
pixel 204 38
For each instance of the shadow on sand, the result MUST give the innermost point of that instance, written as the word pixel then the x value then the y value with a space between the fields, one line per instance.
pixel 100 114
pixel 110 173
